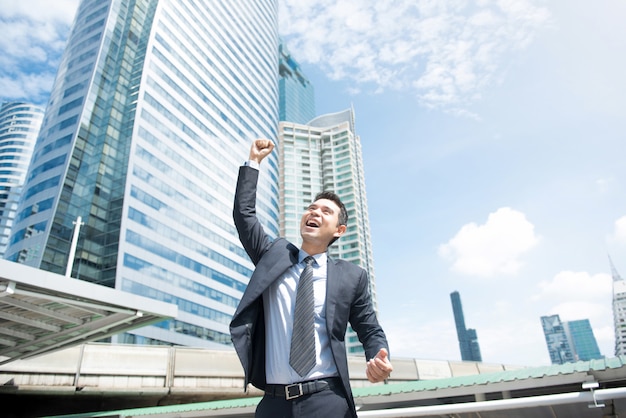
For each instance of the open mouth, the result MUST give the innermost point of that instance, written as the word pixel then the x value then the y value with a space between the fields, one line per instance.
pixel 312 223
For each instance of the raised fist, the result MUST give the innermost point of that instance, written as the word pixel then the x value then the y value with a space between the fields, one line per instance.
pixel 260 149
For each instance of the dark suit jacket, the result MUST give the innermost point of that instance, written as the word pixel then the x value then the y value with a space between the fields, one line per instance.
pixel 347 294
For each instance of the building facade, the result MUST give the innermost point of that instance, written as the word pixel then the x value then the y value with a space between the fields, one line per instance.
pixel 559 346
pixel 569 341
pixel 583 341
pixel 619 311
pixel 19 127
pixel 153 109
pixel 468 338
pixel 325 154
pixel 296 93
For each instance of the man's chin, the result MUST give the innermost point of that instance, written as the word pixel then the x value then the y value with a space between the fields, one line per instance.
pixel 308 230
pixel 310 235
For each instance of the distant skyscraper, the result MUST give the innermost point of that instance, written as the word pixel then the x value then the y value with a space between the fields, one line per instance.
pixel 619 311
pixel 326 155
pixel 468 339
pixel 153 109
pixel 569 341
pixel 19 126
pixel 296 93
pixel 582 340
pixel 556 338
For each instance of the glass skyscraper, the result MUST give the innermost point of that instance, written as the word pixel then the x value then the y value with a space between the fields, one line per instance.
pixel 325 154
pixel 153 109
pixel 468 339
pixel 569 341
pixel 296 93
pixel 558 344
pixel 583 341
pixel 19 126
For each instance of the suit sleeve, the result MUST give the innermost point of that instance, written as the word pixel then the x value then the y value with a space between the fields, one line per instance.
pixel 251 234
pixel 364 321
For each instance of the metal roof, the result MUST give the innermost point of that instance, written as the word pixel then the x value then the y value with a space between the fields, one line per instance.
pixel 590 389
pixel 42 311
pixel 610 368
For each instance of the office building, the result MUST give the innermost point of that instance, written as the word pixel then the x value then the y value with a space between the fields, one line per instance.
pixel 296 93
pixel 153 109
pixel 468 339
pixel 582 340
pixel 19 126
pixel 619 311
pixel 325 154
pixel 569 341
pixel 558 344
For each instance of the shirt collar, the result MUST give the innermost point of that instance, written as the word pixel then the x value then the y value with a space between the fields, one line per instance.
pixel 321 258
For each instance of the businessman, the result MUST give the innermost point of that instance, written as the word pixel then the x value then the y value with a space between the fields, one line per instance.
pixel 296 357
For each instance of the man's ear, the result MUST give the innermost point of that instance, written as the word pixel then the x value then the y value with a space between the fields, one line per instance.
pixel 340 231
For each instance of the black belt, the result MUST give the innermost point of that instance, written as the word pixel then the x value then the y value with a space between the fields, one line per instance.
pixel 303 388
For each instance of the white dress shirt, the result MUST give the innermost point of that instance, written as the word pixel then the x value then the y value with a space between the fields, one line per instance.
pixel 278 302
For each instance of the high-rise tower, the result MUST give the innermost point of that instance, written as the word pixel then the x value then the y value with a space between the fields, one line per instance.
pixel 569 341
pixel 619 310
pixel 326 154
pixel 19 126
pixel 558 344
pixel 153 109
pixel 468 339
pixel 296 93
pixel 583 341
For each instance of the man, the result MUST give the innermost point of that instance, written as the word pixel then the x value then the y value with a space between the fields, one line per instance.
pixel 263 323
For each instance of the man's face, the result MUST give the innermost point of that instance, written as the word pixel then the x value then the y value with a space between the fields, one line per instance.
pixel 320 222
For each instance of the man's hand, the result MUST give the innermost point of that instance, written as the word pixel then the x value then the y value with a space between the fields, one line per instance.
pixel 260 149
pixel 379 368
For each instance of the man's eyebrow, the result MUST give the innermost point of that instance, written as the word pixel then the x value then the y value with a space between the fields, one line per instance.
pixel 326 207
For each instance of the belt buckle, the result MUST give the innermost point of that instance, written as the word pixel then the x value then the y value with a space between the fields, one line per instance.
pixel 293 391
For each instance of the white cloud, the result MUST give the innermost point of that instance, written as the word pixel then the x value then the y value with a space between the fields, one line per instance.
pixel 500 341
pixel 421 335
pixel 22 86
pixel 417 337
pixel 581 286
pixel 604 185
pixel 581 295
pixel 619 233
pixel 492 248
pixel 508 326
pixel 61 11
pixel 34 33
pixel 575 310
pixel 445 52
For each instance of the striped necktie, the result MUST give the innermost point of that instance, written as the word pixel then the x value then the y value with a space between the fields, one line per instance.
pixel 302 353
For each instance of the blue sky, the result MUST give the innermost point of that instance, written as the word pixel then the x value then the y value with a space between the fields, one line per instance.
pixel 493 139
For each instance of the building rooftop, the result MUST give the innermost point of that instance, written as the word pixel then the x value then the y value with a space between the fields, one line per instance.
pixel 98 380
pixel 43 312
pixel 578 390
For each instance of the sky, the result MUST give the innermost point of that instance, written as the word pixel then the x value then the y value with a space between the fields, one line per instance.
pixel 493 137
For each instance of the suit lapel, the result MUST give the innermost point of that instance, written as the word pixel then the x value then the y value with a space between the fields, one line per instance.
pixel 333 290
pixel 272 265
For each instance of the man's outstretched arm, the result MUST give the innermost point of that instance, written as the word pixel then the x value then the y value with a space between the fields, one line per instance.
pixel 251 233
